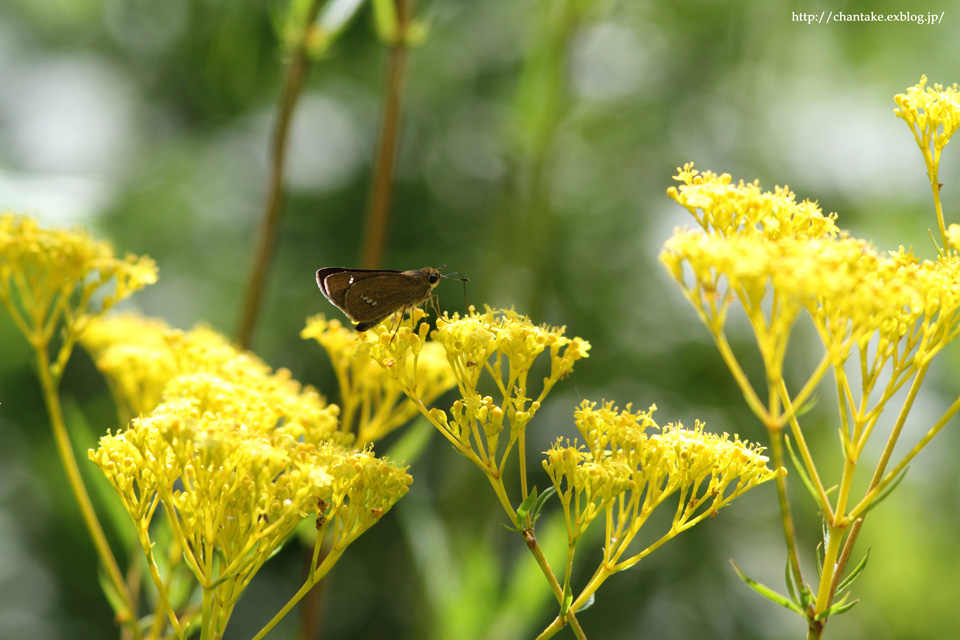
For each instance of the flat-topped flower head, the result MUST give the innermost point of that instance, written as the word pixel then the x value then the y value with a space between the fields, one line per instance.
pixel 630 466
pixel 133 354
pixel 726 209
pixel 852 292
pixel 234 486
pixel 500 344
pixel 933 113
pixel 54 276
pixel 146 361
pixel 478 340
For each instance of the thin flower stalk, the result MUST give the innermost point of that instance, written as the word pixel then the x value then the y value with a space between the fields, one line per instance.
pixel 890 314
pixel 371 403
pixel 502 344
pixel 497 348
pixel 933 115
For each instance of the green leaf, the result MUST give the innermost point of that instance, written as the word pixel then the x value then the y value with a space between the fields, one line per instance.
pixel 413 442
pixel 886 490
pixel 768 593
pixel 801 471
pixel 113 514
pixel 808 406
pixel 336 15
pixel 846 582
pixel 799 592
pixel 113 596
pixel 588 603
pixel 837 608
pixel 818 556
pixel 845 443
pixel 335 18
pixel 791 584
pixel 524 509
pixel 540 501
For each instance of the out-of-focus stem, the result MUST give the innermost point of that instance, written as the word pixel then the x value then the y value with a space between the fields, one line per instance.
pixel 381 190
pixel 273 209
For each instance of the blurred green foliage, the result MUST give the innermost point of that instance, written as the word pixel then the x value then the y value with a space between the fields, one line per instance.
pixel 538 139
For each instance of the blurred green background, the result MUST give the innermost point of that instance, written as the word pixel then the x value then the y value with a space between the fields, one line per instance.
pixel 538 140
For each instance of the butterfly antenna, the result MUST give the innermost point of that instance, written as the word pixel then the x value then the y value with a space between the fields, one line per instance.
pixel 461 279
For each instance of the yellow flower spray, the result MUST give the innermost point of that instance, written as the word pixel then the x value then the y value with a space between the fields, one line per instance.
pixel 235 456
pixel 881 319
pixel 222 458
pixel 622 474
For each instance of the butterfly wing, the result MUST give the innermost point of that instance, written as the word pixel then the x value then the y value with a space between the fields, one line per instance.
pixel 370 300
pixel 335 281
pixel 367 296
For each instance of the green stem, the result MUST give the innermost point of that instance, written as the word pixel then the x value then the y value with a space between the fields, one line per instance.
pixel 206 618
pixel 531 541
pixel 316 575
pixel 163 602
pixel 749 393
pixel 933 164
pixel 786 516
pixel 797 433
pixel 51 398
pixel 876 488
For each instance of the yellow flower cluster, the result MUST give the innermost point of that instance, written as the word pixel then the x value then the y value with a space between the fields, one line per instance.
pixel 371 403
pixel 726 210
pixel 502 343
pixel 233 485
pixel 146 361
pixel 933 114
pixel 235 453
pixel 629 466
pixel 133 354
pixel 851 292
pixel 49 276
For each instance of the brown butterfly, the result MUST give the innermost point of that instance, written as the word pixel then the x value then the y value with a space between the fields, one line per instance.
pixel 367 296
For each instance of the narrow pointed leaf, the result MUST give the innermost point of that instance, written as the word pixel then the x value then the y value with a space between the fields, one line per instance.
pixel 819 559
pixel 846 582
pixel 385 20
pixel 526 506
pixel 336 15
pixel 887 490
pixel 801 471
pixel 808 406
pixel 839 607
pixel 767 592
pixel 791 588
pixel 799 592
pixel 540 501
pixel 113 596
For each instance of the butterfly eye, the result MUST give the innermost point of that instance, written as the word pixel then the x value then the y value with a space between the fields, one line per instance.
pixel 434 277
